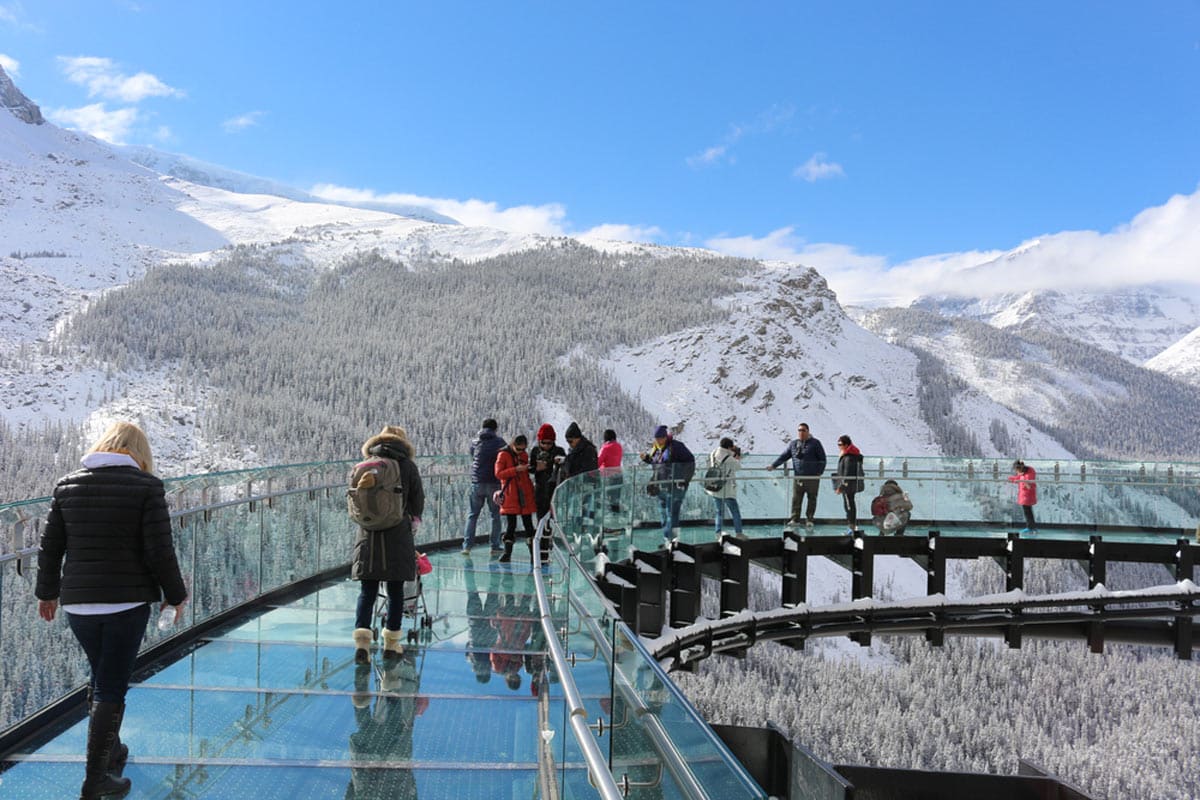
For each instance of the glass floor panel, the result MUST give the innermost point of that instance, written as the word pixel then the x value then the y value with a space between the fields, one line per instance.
pixel 275 706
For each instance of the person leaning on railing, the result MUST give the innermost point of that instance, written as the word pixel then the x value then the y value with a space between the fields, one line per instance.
pixel 109 522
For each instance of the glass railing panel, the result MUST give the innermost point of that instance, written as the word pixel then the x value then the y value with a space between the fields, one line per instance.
pixel 668 735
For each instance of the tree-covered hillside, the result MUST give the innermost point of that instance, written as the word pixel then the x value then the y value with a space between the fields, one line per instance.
pixel 307 361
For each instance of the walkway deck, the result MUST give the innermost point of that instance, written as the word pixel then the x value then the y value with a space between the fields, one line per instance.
pixel 275 707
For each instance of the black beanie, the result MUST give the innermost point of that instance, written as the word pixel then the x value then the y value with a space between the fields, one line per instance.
pixel 573 431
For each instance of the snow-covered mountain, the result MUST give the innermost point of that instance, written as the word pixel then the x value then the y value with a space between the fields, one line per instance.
pixel 80 218
pixel 1135 323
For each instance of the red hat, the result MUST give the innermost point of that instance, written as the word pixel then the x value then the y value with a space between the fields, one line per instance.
pixel 546 432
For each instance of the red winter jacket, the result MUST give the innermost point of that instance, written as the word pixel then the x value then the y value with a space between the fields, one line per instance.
pixel 1026 486
pixel 515 482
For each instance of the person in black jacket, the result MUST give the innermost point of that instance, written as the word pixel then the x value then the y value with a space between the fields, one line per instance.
pixel 110 524
pixel 387 555
pixel 808 464
pixel 674 465
pixel 848 479
pixel 582 458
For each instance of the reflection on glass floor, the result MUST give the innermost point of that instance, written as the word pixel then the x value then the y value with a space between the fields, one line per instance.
pixel 275 706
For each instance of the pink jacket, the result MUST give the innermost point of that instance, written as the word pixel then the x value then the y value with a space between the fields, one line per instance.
pixel 609 457
pixel 1026 486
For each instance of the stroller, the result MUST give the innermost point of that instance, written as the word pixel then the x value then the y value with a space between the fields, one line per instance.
pixel 414 606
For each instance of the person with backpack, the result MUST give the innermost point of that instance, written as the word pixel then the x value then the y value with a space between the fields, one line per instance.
pixel 484 484
pixel 808 464
pixel 891 509
pixel 517 493
pixel 720 483
pixel 674 465
pixel 386 498
pixel 848 479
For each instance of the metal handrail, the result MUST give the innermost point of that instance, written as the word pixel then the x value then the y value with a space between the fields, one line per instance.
pixel 602 778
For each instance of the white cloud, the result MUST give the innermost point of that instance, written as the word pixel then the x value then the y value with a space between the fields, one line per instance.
pixel 243 121
pixel 545 219
pixel 616 232
pixel 766 122
pixel 96 120
pixel 819 168
pixel 710 156
pixel 102 78
pixel 10 64
pixel 1160 245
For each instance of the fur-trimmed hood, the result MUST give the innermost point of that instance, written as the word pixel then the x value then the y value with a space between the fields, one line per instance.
pixel 393 438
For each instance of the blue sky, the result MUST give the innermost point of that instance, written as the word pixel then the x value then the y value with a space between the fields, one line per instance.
pixel 837 133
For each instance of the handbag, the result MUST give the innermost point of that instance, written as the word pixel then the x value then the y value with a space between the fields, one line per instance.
pixel 423 565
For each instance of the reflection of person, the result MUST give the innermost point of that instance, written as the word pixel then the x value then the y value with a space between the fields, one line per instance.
pixel 387 555
pixel 808 464
pixel 726 460
pixel 674 465
pixel 109 522
pixel 481 636
pixel 513 623
pixel 848 479
pixel 384 733
pixel 1025 477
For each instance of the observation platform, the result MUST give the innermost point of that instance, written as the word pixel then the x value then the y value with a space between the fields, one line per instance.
pixel 515 683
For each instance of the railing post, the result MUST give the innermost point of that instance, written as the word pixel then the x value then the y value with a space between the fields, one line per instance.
pixel 685 583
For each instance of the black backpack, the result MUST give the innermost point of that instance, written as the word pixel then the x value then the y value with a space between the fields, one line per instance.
pixel 714 477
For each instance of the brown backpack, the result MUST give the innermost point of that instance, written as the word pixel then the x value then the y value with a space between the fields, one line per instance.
pixel 375 499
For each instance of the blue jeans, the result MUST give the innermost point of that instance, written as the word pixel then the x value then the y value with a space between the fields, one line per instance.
pixel 719 505
pixel 111 643
pixel 482 493
pixel 368 591
pixel 670 501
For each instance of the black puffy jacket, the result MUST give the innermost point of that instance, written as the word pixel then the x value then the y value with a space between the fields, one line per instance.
pixel 113 526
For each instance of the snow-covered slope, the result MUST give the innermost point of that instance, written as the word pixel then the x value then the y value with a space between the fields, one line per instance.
pixel 790 354
pixel 1135 323
pixel 204 174
pixel 1181 360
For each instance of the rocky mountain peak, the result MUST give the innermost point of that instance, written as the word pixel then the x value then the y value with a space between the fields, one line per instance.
pixel 15 101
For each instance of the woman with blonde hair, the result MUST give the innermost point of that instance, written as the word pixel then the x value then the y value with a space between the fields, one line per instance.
pixel 109 522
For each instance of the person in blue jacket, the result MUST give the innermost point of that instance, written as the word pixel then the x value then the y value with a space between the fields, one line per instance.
pixel 484 483
pixel 674 466
pixel 808 464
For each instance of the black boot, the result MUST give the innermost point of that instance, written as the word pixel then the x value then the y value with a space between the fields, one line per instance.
pixel 103 731
pixel 120 751
pixel 508 546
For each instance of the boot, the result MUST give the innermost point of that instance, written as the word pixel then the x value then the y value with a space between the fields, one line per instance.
pixel 362 645
pixel 392 647
pixel 103 729
pixel 120 751
pixel 508 546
